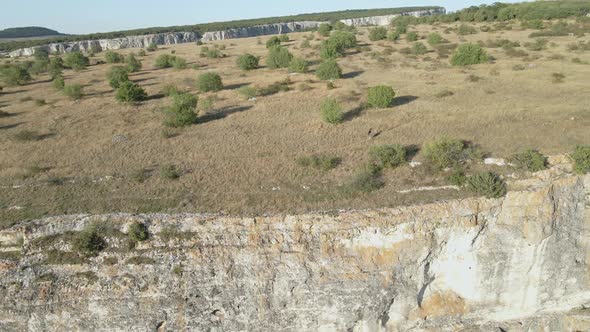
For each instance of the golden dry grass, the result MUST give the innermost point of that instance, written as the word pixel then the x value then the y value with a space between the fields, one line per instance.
pixel 242 157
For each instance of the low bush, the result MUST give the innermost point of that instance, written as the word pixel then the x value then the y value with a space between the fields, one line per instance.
pixel 152 47
pixel 529 160
pixel 331 111
pixel 581 158
pixel 393 36
pixel 278 57
pixel 457 177
pixel 117 75
pixel 27 136
pixel 248 62
pixel 329 70
pixel 76 61
pixel 380 96
pixel 465 29
pixel 74 91
pixel 138 232
pixel 469 54
pixel 273 41
pixel 298 65
pixel 55 67
pixel 142 53
pixel 377 33
pixel 365 181
pixel 435 39
pixel 206 52
pixel 337 44
pixel 164 61
pixel 419 49
pixel 276 87
pixel 209 82
pixel 178 63
pixel 321 162
pixel 113 57
pixel 388 156
pixel 59 83
pixel 183 112
pixel 170 172
pixel 89 242
pixel 129 92
pixel 15 75
pixel 538 45
pixel 487 184
pixel 284 38
pixel 444 152
pixel 248 92
pixel 133 65
pixel 325 29
pixel 305 44
pixel 412 36
pixel 557 77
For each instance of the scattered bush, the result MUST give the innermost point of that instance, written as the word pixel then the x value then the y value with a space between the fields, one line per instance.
pixel 322 162
pixel 209 82
pixel 88 242
pixel 469 54
pixel 138 232
pixel 74 91
pixel 388 156
pixel 117 75
pixel 367 180
pixel 113 57
pixel 338 42
pixel 329 70
pixel 247 92
pixel 444 93
pixel 59 83
pixel 152 47
pixel 129 92
pixel 15 75
pixel 377 33
pixel 488 184
pixel 133 65
pixel 210 53
pixel 557 77
pixel 76 61
pixel 55 67
pixel 465 29
pixel 325 29
pixel 457 177
pixel 248 62
pixel 331 111
pixel 530 160
pixel 298 65
pixel 164 61
pixel 393 36
pixel 444 152
pixel 278 57
pixel 40 102
pixel 284 38
pixel 178 63
pixel 305 44
pixel 170 172
pixel 581 158
pixel 380 96
pixel 412 36
pixel 276 87
pixel 206 104
pixel 183 112
pixel 273 41
pixel 142 53
pixel 435 39
pixel 538 45
pixel 140 175
pixel 419 49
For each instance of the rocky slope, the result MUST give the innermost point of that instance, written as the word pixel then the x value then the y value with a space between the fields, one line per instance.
pixel 189 37
pixel 519 263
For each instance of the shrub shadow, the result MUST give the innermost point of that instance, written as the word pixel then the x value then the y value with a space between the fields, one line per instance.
pixel 412 151
pixel 222 113
pixel 10 126
pixel 352 74
pixel 235 86
pixel 403 100
pixel 353 113
pixel 155 96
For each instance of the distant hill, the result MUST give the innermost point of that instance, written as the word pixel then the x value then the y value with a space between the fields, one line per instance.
pixel 28 32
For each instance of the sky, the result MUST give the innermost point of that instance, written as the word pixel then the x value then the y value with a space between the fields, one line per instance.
pixel 87 16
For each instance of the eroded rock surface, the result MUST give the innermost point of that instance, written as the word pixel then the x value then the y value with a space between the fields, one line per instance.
pixel 519 263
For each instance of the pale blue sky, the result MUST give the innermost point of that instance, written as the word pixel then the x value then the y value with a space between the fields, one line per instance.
pixel 86 16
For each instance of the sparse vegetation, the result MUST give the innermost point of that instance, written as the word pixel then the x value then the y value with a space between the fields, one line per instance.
pixel 15 75
pixel 170 172
pixel 365 181
pixel 337 44
pixel 377 33
pixel 321 162
pixel 444 152
pixel 113 57
pixel 117 75
pixel 380 96
pixel 465 29
pixel 412 36
pixel 529 160
pixel 298 65
pixel 388 156
pixel 419 49
pixel 89 242
pixel 138 232
pixel 273 41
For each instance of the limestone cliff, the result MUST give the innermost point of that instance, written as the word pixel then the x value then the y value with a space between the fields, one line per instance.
pixel 189 37
pixel 519 263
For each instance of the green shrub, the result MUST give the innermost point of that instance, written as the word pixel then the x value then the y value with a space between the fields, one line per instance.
pixel 40 102
pixel 133 65
pixel 178 63
pixel 55 67
pixel 457 177
pixel 38 67
pixel 581 158
pixel 59 83
pixel 298 65
pixel 207 103
pixel 435 39
pixel 469 54
pixel 15 75
pixel 278 57
pixel 170 172
pixel 117 75
pixel 164 61
pixel 183 112
pixel 206 52
pixel 412 36
pixel 248 92
pixel 321 162
pixel 284 38
pixel 113 57
pixel 138 232
pixel 325 29
pixel 388 156
pixel 377 33
pixel 530 160
pixel 276 87
pixel 74 91
pixel 380 96
pixel 533 24
pixel 209 82
pixel 393 36
pixel 488 184
pixel 89 242
pixel 365 181
pixel 331 111
pixel 273 41
pixel 419 49
pixel 142 53
pixel 152 47
pixel 41 54
pixel 248 62
pixel 329 70
pixel 338 42
pixel 465 29
pixel 76 61
pixel 129 92
pixel 444 152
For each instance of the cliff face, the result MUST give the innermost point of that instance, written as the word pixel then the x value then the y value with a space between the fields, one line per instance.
pixel 519 263
pixel 189 37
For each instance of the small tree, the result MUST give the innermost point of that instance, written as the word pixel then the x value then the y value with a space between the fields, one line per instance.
pixel 129 92
pixel 325 29
pixel 273 41
pixel 183 112
pixel 117 75
pixel 209 82
pixel 329 70
pixel 76 61
pixel 377 33
pixel 469 54
pixel 248 62
pixel 278 57
pixel 331 111
pixel 74 91
pixel 388 156
pixel 380 96
pixel 298 65
pixel 113 57
pixel 133 64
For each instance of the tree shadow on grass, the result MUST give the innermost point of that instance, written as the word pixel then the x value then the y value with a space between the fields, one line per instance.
pixel 403 100
pixel 222 113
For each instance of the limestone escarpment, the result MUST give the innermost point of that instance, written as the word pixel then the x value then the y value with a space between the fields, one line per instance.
pixel 517 263
pixel 189 37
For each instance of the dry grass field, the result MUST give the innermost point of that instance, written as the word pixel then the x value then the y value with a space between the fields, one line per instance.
pixel 240 157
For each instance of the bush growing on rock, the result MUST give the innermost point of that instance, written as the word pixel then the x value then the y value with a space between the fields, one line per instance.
pixel 444 152
pixel 183 112
pixel 329 70
pixel 89 242
pixel 209 82
pixel 113 57
pixel 138 232
pixel 488 184
pixel 278 57
pixel 377 33
pixel 380 96
pixel 15 75
pixel 76 61
pixel 331 111
pixel 469 54
pixel 581 158
pixel 117 75
pixel 248 62
pixel 74 91
pixel 129 92
pixel 298 65
pixel 530 160
pixel 273 41
pixel 388 156
pixel 133 65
